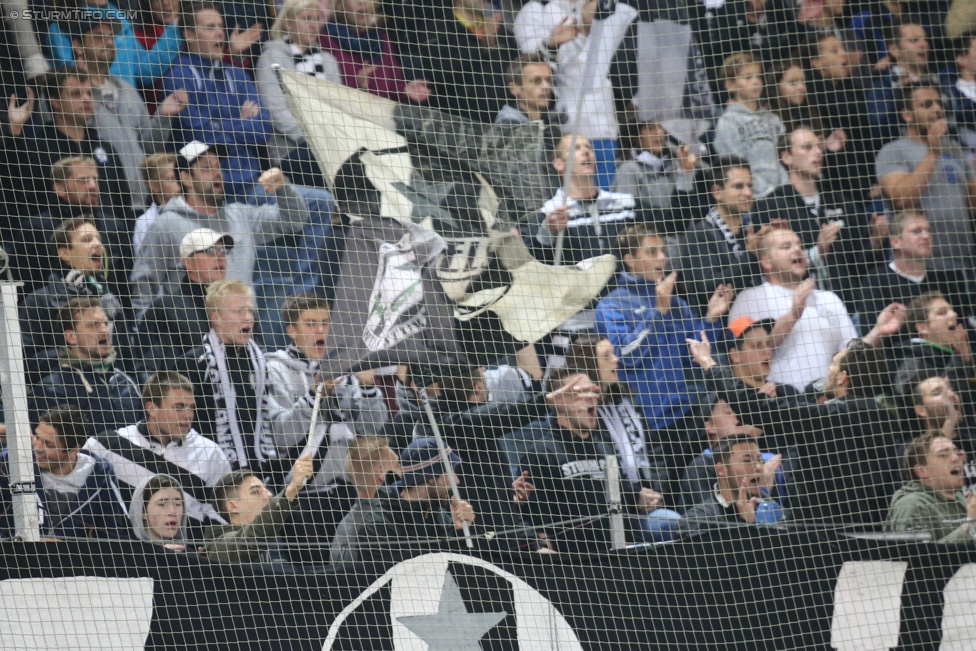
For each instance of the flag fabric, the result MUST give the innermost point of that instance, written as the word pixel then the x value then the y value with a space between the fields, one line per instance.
pixel 430 266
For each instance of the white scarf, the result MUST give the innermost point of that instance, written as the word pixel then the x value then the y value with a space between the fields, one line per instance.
pixel 228 430
pixel 715 219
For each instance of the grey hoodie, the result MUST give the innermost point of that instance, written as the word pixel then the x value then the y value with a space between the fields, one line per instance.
pixel 753 136
pixel 157 267
pixel 137 510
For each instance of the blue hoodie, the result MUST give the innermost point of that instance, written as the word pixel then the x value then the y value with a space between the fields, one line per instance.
pixel 213 116
pixel 652 348
pixel 98 510
pixel 133 62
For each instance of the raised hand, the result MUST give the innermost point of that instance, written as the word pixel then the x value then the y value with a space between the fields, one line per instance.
pixel 19 114
pixel 522 487
pixel 890 320
pixel 461 512
pixel 272 180
pixel 417 91
pixel 827 236
pixel 720 302
pixel 241 41
pixel 663 291
pixel 802 293
pixel 250 109
pixel 557 220
pixel 302 471
pixel 701 351
pixel 745 503
pixel 175 102
pixel 565 31
pixel 687 159
pixel 769 472
pixel 649 500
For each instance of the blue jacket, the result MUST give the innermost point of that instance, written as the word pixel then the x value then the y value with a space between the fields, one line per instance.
pixel 98 511
pixel 110 398
pixel 213 116
pixel 133 62
pixel 651 347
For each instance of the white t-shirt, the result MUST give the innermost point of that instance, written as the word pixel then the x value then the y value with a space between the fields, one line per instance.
pixel 822 331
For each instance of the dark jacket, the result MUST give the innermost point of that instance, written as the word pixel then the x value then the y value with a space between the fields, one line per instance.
pixel 467 78
pixel 34 259
pixel 709 514
pixel 40 328
pixel 569 503
pixel 847 450
pixel 398 525
pixel 842 106
pixel 848 257
pixel 919 359
pixel 98 510
pixel 110 398
pixel 173 325
pixel 249 543
pixel 880 286
pixel 42 145
pixel 708 260
pixel 471 430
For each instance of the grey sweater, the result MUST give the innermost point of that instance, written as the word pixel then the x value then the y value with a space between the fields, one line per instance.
pixel 654 188
pixel 916 507
pixel 123 121
pixel 157 267
pixel 753 136
pixel 288 133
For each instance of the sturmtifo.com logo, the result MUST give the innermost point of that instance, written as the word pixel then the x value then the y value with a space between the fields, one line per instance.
pixel 451 602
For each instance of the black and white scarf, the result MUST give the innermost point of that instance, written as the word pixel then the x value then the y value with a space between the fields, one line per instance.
pixel 715 219
pixel 227 429
pixel 307 62
pixel 626 428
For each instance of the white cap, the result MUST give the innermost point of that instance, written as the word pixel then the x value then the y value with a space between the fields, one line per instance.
pixel 202 239
pixel 190 152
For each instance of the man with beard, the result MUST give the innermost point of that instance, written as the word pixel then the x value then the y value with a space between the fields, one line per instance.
pixel 828 223
pixel 742 484
pixel 87 374
pixel 202 205
pixel 928 170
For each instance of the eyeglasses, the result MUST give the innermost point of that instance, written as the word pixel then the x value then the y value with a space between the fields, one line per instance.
pixel 212 250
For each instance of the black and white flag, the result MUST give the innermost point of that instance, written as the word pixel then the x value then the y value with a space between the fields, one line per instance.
pixel 430 266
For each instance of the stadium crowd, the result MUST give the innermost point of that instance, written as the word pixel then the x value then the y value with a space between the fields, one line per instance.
pixel 785 342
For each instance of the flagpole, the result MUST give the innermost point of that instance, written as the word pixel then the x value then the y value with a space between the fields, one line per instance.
pixel 586 83
pixel 442 450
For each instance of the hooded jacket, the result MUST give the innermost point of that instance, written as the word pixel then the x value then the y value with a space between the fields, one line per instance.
pixel 137 513
pixel 652 348
pixel 213 115
pixel 916 507
pixel 753 135
pixel 351 410
pixel 96 510
pixel 157 267
pixel 110 398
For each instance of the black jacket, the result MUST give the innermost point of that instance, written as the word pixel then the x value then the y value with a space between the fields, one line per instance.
pixel 39 324
pixel 570 499
pixel 173 325
pixel 881 286
pixel 471 430
pixel 707 261
pixel 33 257
pixel 468 78
pixel 919 359
pixel 848 450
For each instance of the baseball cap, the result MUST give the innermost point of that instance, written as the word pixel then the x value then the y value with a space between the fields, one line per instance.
pixel 191 152
pixel 742 325
pixel 421 461
pixel 202 239
pixel 89 19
